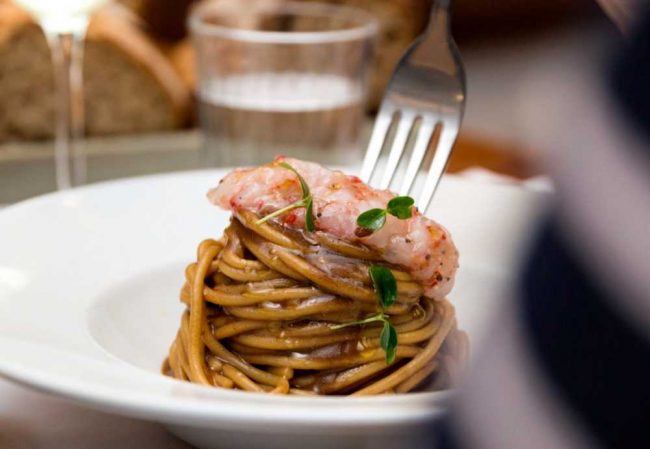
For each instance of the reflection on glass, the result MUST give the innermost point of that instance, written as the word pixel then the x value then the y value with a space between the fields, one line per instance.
pixel 64 23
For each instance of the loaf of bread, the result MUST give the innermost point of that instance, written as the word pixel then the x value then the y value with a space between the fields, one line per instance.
pixel 26 103
pixel 129 85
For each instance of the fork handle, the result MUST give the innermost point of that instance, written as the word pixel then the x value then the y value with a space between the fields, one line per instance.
pixel 445 4
pixel 439 19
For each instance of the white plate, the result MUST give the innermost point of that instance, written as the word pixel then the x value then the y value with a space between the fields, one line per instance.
pixel 89 283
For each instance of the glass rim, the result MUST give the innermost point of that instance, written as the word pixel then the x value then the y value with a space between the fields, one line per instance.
pixel 366 28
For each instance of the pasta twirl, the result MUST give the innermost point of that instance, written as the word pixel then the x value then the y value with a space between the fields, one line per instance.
pixel 261 302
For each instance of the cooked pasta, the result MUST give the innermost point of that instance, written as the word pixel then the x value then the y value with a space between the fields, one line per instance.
pixel 262 305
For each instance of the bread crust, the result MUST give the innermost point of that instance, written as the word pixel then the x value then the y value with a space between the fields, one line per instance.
pixel 12 19
pixel 18 112
pixel 138 47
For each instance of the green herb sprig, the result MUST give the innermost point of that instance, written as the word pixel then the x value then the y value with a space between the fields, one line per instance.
pixel 307 202
pixel 385 287
pixel 374 219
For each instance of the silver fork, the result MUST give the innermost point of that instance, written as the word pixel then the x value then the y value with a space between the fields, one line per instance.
pixel 428 84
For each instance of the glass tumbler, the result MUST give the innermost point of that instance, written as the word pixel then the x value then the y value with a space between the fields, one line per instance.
pixel 282 78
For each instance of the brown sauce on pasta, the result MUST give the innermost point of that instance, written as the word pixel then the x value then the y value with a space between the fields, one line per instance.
pixel 260 304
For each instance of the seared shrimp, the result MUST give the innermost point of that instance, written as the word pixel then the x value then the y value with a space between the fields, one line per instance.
pixel 418 244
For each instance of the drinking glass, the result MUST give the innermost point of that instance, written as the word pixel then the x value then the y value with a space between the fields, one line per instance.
pixel 288 78
pixel 64 23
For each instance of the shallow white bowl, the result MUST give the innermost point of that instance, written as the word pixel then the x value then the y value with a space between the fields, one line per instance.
pixel 89 283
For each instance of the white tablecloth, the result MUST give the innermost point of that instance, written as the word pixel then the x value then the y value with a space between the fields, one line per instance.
pixel 32 420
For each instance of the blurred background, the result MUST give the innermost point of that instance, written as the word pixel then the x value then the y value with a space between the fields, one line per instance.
pixel 140 82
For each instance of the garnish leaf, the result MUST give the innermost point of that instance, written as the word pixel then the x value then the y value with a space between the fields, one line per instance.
pixel 303 185
pixel 307 202
pixel 384 284
pixel 385 287
pixel 279 212
pixel 372 219
pixel 371 319
pixel 387 337
pixel 401 207
pixel 309 215
pixel 388 341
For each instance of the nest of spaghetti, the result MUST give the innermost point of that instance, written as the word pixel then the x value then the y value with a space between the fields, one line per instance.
pixel 262 302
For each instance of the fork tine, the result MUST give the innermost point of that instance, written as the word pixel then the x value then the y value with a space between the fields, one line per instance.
pixel 425 132
pixel 382 123
pixel 401 138
pixel 440 159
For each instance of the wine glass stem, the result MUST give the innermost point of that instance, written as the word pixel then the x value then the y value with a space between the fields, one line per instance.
pixel 70 161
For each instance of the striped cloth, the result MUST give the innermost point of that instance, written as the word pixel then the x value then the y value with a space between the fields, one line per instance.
pixel 568 364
